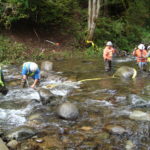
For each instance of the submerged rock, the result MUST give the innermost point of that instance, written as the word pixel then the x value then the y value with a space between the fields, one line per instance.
pixel 146 90
pixel 47 66
pixel 21 133
pixel 46 96
pixel 68 110
pixel 14 83
pixel 12 144
pixel 126 72
pixel 115 129
pixel 139 115
pixel 129 145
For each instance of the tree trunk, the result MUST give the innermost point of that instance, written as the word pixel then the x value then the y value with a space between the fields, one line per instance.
pixel 90 14
pixel 93 12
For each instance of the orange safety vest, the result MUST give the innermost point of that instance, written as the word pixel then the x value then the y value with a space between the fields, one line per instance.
pixel 108 53
pixel 140 55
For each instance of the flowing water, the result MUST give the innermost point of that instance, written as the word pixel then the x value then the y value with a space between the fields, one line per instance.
pixel 106 106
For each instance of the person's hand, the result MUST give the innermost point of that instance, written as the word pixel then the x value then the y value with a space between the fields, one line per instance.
pixel 32 86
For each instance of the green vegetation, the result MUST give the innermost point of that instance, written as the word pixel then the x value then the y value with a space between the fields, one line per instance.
pixel 10 52
pixel 15 53
pixel 124 22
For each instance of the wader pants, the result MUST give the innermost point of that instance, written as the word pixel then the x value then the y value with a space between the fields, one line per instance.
pixel 142 66
pixel 108 65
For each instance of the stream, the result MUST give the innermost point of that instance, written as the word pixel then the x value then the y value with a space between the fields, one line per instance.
pixel 114 114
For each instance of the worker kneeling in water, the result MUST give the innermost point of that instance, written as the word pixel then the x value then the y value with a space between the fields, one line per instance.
pixel 30 69
pixel 141 57
pixel 3 88
pixel 108 55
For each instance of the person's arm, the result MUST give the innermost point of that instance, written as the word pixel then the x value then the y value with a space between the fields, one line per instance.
pixel 37 78
pixel 148 54
pixel 34 83
pixel 134 53
pixel 105 54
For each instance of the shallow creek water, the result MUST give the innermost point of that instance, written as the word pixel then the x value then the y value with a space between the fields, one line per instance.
pixel 105 106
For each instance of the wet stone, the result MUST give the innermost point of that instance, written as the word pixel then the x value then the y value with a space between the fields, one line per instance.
pixel 120 98
pixel 47 66
pixel 115 129
pixel 21 133
pixel 46 96
pixel 125 72
pixel 39 140
pixel 139 115
pixel 129 145
pixel 3 145
pixel 68 110
pixel 12 144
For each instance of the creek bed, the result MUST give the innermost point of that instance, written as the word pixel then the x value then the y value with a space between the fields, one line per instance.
pixel 106 107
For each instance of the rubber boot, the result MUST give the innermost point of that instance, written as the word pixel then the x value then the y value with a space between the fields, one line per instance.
pixel 3 90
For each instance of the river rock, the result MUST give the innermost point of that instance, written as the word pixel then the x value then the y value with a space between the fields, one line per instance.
pixel 125 72
pixel 139 115
pixel 12 144
pixel 46 96
pixel 47 66
pixel 115 129
pixel 14 83
pixel 44 74
pixel 68 111
pixel 3 145
pixel 21 133
pixel 146 90
pixel 129 145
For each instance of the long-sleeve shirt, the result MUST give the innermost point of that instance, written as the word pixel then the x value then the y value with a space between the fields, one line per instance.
pixel 108 53
pixel 140 55
pixel 26 71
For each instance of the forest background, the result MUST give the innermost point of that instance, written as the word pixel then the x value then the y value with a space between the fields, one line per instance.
pixel 25 26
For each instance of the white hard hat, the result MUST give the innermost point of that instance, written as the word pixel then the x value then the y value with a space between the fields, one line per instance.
pixel 148 47
pixel 109 43
pixel 141 46
pixel 33 67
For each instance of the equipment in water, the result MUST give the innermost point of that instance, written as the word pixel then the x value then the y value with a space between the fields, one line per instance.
pixel 111 77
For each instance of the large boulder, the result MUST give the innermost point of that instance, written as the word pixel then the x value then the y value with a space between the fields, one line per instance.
pixel 21 133
pixel 47 66
pixel 68 111
pixel 46 96
pixel 126 72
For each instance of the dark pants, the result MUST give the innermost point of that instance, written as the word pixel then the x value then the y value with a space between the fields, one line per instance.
pixel 3 90
pixel 142 66
pixel 108 65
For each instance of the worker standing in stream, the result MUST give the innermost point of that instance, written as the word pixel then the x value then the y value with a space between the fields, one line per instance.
pixel 148 58
pixel 3 88
pixel 108 55
pixel 30 69
pixel 141 57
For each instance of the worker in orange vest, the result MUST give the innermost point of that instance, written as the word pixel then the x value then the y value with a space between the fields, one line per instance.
pixel 107 55
pixel 141 57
